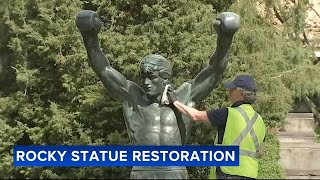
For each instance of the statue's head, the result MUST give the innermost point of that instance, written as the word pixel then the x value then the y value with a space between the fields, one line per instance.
pixel 156 72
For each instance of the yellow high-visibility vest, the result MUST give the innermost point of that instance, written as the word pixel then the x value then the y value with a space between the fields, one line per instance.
pixel 245 128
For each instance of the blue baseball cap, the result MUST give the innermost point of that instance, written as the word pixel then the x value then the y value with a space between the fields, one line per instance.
pixel 242 81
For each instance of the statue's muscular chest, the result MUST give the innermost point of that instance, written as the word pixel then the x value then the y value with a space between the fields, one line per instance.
pixel 156 115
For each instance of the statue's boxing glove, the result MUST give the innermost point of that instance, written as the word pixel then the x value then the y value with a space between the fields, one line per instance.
pixel 88 20
pixel 227 23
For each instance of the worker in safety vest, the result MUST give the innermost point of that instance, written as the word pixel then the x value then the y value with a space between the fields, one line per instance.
pixel 239 125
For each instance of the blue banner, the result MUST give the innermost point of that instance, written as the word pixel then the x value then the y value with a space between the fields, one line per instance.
pixel 126 156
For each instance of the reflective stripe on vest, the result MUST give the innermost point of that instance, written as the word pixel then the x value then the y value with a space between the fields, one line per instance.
pixel 245 131
pixel 244 128
pixel 240 121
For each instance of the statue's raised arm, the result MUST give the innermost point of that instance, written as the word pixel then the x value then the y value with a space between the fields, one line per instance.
pixel 226 25
pixel 116 84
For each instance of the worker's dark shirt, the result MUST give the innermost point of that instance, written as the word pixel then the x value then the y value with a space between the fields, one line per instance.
pixel 219 118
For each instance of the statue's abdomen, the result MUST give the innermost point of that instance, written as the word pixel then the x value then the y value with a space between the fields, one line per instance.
pixel 152 125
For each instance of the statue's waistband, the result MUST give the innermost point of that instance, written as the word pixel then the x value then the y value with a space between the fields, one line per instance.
pixel 158 168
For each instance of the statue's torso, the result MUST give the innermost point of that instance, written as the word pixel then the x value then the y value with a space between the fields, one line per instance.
pixel 156 124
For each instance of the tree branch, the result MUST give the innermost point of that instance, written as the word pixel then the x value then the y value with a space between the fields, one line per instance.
pixel 277 14
pixel 285 72
pixel 316 61
pixel 312 107
pixel 293 1
pixel 314 10
pixel 305 39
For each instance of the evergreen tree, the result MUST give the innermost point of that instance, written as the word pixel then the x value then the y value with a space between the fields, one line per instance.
pixel 50 95
pixel 303 78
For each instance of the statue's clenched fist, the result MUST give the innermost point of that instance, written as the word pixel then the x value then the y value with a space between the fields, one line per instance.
pixel 227 23
pixel 88 20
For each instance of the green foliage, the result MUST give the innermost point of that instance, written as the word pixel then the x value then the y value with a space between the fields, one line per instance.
pixel 317 130
pixel 277 60
pixel 269 166
pixel 49 95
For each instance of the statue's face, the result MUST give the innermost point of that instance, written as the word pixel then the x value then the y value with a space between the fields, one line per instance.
pixel 153 84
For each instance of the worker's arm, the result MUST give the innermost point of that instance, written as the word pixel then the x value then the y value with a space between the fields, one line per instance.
pixel 193 113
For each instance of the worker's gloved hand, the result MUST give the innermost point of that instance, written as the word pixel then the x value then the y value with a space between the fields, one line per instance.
pixel 172 95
